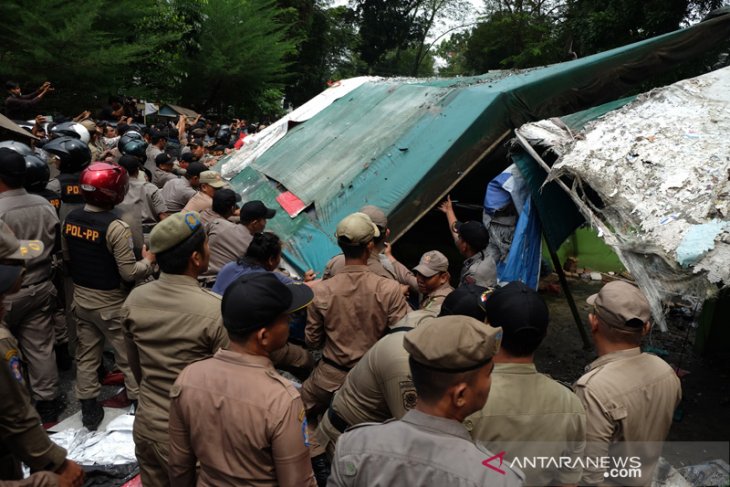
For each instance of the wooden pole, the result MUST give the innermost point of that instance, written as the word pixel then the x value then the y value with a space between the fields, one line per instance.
pixel 568 295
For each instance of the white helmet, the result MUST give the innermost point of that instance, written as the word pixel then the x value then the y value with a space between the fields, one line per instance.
pixel 71 129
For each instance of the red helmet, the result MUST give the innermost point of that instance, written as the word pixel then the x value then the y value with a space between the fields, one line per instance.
pixel 104 184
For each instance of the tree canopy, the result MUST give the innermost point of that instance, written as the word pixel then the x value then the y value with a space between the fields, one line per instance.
pixel 254 57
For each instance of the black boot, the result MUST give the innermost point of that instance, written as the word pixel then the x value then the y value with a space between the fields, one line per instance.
pixel 321 467
pixel 63 357
pixel 91 413
pixel 50 410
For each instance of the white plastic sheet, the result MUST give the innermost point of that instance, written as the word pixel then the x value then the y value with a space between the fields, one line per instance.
pixel 115 446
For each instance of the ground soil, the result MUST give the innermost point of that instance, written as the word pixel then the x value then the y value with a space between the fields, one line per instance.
pixel 703 413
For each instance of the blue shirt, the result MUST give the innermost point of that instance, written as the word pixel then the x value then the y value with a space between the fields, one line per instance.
pixel 233 270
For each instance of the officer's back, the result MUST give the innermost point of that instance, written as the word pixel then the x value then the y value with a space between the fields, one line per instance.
pixel 450 360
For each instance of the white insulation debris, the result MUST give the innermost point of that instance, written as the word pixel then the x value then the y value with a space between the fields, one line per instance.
pixel 661 166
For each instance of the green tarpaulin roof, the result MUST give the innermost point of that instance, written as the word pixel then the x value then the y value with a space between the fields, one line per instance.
pixel 403 144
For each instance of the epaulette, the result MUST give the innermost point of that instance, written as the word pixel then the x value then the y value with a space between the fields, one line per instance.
pixel 211 293
pixel 290 388
pixel 585 378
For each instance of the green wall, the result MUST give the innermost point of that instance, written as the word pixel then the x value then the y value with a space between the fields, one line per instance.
pixel 591 251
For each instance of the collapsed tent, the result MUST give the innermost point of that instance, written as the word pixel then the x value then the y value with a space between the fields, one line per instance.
pixel 16 130
pixel 652 176
pixel 403 144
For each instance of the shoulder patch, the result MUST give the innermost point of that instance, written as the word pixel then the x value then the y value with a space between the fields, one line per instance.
pixel 349 469
pixel 305 430
pixel 13 360
pixel 408 392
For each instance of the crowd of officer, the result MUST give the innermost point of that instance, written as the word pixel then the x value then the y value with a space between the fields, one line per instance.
pixel 153 256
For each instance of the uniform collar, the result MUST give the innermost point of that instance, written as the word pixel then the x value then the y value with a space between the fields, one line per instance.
pixel 354 268
pixel 435 423
pixel 443 290
pixel 475 258
pixel 613 357
pixel 179 279
pixel 511 368
pixel 94 208
pixel 13 192
pixel 244 359
pixel 213 214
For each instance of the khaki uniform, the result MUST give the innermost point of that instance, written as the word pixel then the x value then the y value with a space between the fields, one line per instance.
pixel 479 269
pixel 29 312
pixel 628 396
pixel 242 421
pixel 207 216
pixel 151 201
pixel 142 204
pixel 378 264
pixel 436 298
pixel 97 314
pixel 227 242
pixel 176 193
pixel 378 388
pixel 418 449
pixel 152 152
pixel 95 152
pixel 160 177
pixel 199 202
pixel 22 437
pixel 529 414
pixel 172 323
pixel 350 312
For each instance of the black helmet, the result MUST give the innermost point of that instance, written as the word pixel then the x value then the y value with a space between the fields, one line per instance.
pixel 18 147
pixel 71 129
pixel 74 154
pixel 223 136
pixel 137 148
pixel 37 173
pixel 128 135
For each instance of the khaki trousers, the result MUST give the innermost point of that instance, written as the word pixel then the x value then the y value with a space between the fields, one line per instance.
pixel 152 458
pixel 318 389
pixel 327 436
pixel 29 317
pixel 92 328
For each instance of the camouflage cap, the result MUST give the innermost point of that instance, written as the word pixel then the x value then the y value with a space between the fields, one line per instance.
pixel 453 343
pixel 173 230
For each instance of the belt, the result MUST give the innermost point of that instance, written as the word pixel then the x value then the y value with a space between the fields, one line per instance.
pixel 335 364
pixel 337 422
